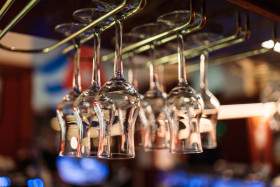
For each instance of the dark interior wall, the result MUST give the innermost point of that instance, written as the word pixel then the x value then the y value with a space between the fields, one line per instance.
pixel 16 114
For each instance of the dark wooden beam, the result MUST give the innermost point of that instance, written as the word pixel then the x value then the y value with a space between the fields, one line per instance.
pixel 262 9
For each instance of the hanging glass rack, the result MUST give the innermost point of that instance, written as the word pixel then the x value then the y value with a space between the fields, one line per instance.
pixel 238 37
pixel 58 44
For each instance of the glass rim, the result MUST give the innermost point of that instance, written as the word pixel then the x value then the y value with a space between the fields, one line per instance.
pixel 173 13
pixel 72 24
pixel 146 25
pixel 89 9
pixel 197 17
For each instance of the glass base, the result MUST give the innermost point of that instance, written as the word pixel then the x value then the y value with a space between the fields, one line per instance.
pixel 92 155
pixel 155 148
pixel 116 156
pixel 186 152
pixel 68 154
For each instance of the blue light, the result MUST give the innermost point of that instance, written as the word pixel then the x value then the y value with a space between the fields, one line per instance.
pixel 230 183
pixel 82 171
pixel 5 181
pixel 35 183
pixel 178 178
pixel 199 181
pixel 256 184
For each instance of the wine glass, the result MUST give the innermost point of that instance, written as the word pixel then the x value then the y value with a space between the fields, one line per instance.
pixel 117 106
pixel 88 125
pixel 127 10
pixel 209 117
pixel 141 121
pixel 157 132
pixel 65 112
pixel 184 104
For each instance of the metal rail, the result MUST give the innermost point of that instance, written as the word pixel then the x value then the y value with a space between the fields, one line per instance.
pixel 216 45
pixel 14 21
pixel 5 7
pixel 89 26
pixel 141 5
pixel 219 61
pixel 144 44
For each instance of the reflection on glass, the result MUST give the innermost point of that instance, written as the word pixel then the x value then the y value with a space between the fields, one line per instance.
pixel 184 104
pixel 157 130
pixel 65 110
pixel 140 125
pixel 84 111
pixel 117 107
pixel 211 107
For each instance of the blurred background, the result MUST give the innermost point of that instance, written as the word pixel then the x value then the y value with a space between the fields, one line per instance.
pixel 31 85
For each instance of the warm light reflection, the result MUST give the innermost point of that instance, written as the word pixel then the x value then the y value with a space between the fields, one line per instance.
pixel 270 44
pixel 245 110
pixel 54 124
pixel 277 47
pixel 195 138
pixel 205 125
pixel 74 143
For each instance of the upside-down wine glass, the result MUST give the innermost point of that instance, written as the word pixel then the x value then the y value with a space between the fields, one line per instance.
pixel 117 106
pixel 88 125
pixel 209 117
pixel 65 112
pixel 140 124
pixel 157 132
pixel 184 104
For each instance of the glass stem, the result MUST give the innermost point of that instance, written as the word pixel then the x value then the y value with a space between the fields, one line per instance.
pixel 153 70
pixel 118 64
pixel 181 60
pixel 76 84
pixel 204 59
pixel 96 61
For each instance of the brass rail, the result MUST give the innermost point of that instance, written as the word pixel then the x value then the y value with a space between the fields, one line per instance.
pixel 5 7
pixel 216 45
pixel 131 13
pixel 219 61
pixel 144 44
pixel 25 9
pixel 89 26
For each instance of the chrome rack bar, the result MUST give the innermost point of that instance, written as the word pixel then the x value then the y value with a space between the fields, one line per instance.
pixel 165 40
pixel 219 61
pixel 214 46
pixel 50 48
pixel 28 7
pixel 160 36
pixel 5 8
pixel 92 24
pixel 141 5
